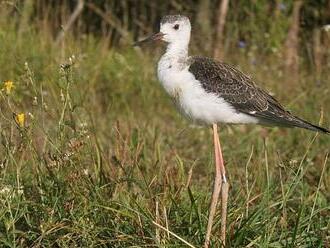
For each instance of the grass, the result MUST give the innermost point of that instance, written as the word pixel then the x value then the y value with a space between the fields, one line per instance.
pixel 104 160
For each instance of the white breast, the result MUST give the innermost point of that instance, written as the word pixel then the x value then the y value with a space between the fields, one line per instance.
pixel 193 100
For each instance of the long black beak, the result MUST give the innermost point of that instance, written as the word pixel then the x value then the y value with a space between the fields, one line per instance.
pixel 154 37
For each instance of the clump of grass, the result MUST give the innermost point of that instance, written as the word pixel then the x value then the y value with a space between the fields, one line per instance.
pixel 103 159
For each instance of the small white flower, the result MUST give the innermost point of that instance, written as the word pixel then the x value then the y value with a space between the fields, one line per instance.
pixel 293 162
pixel 326 28
pixel 5 191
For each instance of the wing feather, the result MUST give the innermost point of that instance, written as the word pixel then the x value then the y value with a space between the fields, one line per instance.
pixel 239 90
pixel 242 93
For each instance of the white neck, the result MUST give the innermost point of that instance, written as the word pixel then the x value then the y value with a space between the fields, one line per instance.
pixel 177 49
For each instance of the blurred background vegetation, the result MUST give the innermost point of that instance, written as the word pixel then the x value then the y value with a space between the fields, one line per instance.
pixel 294 32
pixel 93 153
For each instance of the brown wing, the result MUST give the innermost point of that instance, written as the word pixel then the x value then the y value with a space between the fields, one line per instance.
pixel 236 88
pixel 241 92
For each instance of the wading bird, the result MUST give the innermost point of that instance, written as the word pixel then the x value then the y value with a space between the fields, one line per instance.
pixel 211 92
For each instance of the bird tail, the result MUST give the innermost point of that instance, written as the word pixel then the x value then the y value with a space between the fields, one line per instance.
pixel 298 122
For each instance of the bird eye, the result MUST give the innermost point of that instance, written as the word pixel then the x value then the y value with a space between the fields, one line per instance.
pixel 176 26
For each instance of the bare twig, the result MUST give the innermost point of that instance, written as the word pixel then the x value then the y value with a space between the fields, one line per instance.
pixel 110 19
pixel 291 43
pixel 77 11
pixel 173 234
pixel 218 41
pixel 157 221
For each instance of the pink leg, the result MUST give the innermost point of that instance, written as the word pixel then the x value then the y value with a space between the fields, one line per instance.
pixel 216 186
pixel 224 194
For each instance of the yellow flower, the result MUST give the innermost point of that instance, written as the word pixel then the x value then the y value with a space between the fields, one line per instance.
pixel 8 86
pixel 20 119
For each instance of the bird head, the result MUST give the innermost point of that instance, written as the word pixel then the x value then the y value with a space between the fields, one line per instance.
pixel 174 29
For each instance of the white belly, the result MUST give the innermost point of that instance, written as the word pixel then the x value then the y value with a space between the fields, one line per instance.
pixel 194 102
